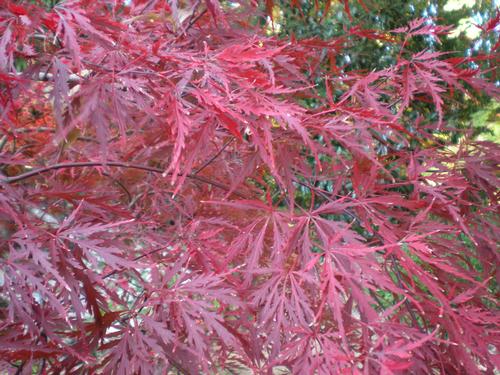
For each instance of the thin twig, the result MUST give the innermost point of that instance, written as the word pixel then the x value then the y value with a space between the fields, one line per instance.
pixel 120 184
pixel 114 272
pixel 195 7
pixel 194 20
pixel 209 161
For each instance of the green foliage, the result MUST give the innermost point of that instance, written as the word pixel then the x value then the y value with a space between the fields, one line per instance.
pixel 486 122
pixel 464 39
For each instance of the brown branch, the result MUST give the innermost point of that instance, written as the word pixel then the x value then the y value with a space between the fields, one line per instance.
pixel 118 164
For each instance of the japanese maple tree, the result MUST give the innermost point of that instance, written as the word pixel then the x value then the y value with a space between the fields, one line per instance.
pixel 182 190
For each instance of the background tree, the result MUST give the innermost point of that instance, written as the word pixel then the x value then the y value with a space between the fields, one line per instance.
pixel 178 193
pixel 326 19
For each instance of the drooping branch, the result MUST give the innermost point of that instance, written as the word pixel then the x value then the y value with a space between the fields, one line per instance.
pixel 117 164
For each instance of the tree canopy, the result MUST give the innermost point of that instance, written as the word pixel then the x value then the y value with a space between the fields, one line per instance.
pixel 186 188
